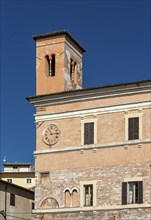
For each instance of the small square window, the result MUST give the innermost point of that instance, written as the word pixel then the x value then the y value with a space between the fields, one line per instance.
pixel 9 180
pixel 28 181
pixel 15 167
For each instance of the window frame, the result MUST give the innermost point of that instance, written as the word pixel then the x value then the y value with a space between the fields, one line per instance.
pixel 137 194
pixel 50 65
pixel 83 122
pixel 10 180
pixel 128 115
pixel 27 180
pixel 88 195
pixel 12 199
pixel 82 192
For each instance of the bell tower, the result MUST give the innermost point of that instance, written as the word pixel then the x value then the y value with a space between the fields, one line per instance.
pixel 58 62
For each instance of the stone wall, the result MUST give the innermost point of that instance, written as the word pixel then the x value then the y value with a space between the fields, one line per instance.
pixel 124 214
pixel 108 183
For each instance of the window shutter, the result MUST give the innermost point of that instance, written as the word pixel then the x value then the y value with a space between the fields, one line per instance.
pixel 136 128
pixel 124 193
pixel 133 128
pixel 89 133
pixel 130 129
pixel 140 192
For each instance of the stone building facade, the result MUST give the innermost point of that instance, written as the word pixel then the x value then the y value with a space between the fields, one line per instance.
pixel 93 146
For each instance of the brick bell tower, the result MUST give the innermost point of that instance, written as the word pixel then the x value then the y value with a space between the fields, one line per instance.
pixel 58 62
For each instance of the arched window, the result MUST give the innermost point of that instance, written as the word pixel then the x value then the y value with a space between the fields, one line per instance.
pixel 50 65
pixel 71 69
pixel 48 61
pixel 67 198
pixel 49 203
pixel 53 63
pixel 75 198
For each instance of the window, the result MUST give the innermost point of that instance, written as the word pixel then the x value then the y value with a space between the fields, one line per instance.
pixel 9 180
pixel 15 167
pixel 132 192
pixel 67 198
pixel 71 198
pixel 89 130
pixel 50 65
pixel 133 125
pixel 12 199
pixel 89 133
pixel 133 128
pixel 72 70
pixel 28 181
pixel 88 195
pixel 44 177
pixel 75 198
pixel 47 65
pixel 53 65
pixel 33 205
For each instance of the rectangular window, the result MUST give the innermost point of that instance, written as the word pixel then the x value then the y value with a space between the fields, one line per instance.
pixel 133 128
pixel 132 192
pixel 44 177
pixel 28 181
pixel 12 199
pixel 88 195
pixel 9 180
pixel 89 133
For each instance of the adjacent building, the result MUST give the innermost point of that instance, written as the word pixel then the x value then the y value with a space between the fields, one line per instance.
pixel 93 146
pixel 16 202
pixel 21 174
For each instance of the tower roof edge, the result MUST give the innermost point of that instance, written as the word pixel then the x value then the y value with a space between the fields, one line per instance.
pixel 59 33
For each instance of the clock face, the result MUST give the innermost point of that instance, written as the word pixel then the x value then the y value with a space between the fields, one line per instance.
pixel 51 134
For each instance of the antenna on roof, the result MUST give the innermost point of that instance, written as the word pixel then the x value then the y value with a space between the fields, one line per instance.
pixel 4 160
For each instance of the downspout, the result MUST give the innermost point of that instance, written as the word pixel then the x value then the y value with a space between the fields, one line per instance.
pixel 5 201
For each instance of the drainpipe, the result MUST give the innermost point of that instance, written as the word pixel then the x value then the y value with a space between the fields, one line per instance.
pixel 5 202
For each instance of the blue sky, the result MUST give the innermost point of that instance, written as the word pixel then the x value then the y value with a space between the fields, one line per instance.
pixel 116 35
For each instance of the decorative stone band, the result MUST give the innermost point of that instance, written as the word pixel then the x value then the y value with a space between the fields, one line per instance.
pixel 92 111
pixel 93 209
pixel 94 147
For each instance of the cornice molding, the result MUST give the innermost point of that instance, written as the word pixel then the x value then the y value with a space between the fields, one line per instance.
pixel 91 111
pixel 87 94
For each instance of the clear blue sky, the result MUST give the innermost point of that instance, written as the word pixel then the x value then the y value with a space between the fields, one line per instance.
pixel 116 35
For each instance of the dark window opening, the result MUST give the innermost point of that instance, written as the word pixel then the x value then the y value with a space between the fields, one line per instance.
pixel 89 133
pixel 9 180
pixel 33 205
pixel 133 128
pixel 28 180
pixel 88 194
pixel 12 199
pixel 53 65
pixel 71 69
